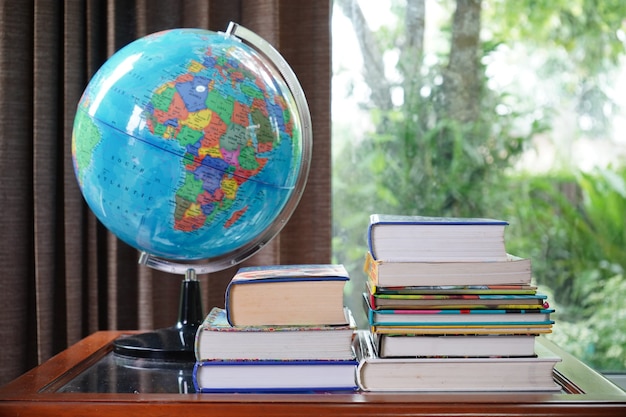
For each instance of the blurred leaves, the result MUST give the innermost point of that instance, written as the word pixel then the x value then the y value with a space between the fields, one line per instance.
pixel 574 230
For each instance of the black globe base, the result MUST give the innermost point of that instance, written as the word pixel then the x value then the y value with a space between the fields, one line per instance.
pixel 174 343
pixel 170 343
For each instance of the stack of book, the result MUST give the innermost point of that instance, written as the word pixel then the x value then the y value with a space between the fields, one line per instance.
pixel 450 309
pixel 283 328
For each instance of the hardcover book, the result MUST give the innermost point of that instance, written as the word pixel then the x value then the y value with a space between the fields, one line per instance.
pixel 274 376
pixel 394 238
pixel 472 345
pixel 456 301
pixel 465 329
pixel 454 289
pixel 452 374
pixel 458 317
pixel 217 339
pixel 511 271
pixel 455 317
pixel 287 295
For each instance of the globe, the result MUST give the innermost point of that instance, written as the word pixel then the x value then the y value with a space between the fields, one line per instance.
pixel 190 144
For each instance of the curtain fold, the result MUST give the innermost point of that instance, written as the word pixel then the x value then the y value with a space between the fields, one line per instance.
pixel 63 274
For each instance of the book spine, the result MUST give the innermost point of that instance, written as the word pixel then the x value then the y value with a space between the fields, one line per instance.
pixel 370 240
pixel 194 377
pixel 371 268
pixel 228 303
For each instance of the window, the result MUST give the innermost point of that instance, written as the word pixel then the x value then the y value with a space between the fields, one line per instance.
pixel 513 111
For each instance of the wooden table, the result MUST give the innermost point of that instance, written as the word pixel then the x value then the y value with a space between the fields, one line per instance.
pixel 41 392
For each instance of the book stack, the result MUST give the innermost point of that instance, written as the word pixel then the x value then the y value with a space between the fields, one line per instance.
pixel 284 328
pixel 444 301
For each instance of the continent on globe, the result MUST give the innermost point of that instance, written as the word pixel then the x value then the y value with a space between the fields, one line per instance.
pixel 191 151
pixel 218 130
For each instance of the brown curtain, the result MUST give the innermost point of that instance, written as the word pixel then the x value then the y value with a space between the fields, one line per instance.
pixel 63 276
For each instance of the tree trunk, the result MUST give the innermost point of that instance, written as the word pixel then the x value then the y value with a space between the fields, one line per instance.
pixel 462 82
pixel 412 51
pixel 373 65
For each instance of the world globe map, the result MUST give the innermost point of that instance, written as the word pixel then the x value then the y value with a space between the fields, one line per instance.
pixel 188 144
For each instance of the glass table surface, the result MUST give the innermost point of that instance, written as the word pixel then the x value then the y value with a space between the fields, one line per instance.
pixel 115 373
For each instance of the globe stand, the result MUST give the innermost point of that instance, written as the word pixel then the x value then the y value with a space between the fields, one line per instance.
pixel 177 342
pixel 174 343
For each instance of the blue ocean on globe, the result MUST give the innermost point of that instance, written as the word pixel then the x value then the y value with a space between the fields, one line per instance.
pixel 186 145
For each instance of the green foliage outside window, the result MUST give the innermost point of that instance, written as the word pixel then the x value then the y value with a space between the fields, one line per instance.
pixel 574 230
